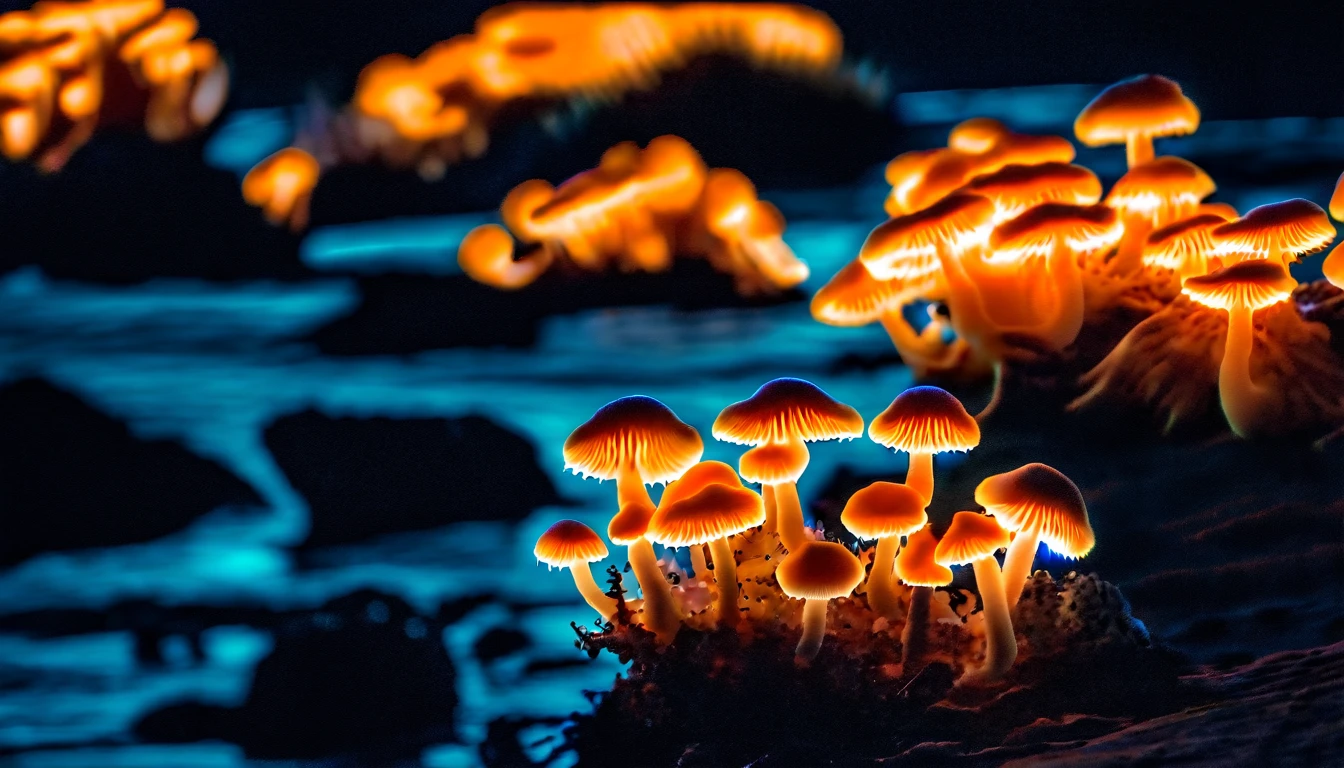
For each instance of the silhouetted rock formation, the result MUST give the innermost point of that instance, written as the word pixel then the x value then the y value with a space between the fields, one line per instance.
pixel 403 314
pixel 362 676
pixel 126 210
pixel 368 477
pixel 72 477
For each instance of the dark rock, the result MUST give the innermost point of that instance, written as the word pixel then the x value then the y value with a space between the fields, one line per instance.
pixel 363 675
pixel 368 477
pixel 499 642
pixel 402 314
pixel 73 477
pixel 126 210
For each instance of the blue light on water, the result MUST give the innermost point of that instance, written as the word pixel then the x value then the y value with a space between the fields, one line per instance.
pixel 246 136
pixel 423 245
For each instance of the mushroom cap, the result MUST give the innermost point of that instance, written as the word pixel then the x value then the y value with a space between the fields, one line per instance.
pixel 977 135
pixel 925 420
pixel 819 570
pixel 970 537
pixel 1221 209
pixel 631 523
pixel 290 167
pixel 1337 200
pixel 1147 105
pixel 698 477
pixel 713 513
pixel 1296 226
pixel 787 409
pixel 1039 497
pixel 1174 245
pixel 1015 188
pixel 1157 187
pixel 906 247
pixel 774 463
pixel 568 543
pixel 854 297
pixel 1026 149
pixel 1254 284
pixel 884 509
pixel 915 565
pixel 633 429
pixel 905 173
pixel 1083 229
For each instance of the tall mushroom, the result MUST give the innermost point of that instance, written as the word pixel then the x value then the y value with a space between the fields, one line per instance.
pixel 973 539
pixel 1241 289
pixel 790 412
pixel 573 545
pixel 637 440
pixel 629 528
pixel 710 517
pixel 916 567
pixel 922 421
pixel 1135 111
pixel 886 512
pixel 817 573
pixel 1040 505
pixel 1151 196
pixel 1283 231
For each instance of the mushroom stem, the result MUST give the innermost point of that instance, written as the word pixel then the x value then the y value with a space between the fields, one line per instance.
pixel 789 515
pixel 1017 564
pixel 920 353
pixel 814 628
pixel 1000 642
pixel 920 474
pixel 768 496
pixel 698 563
pixel 593 594
pixel 1240 397
pixel 882 596
pixel 1138 149
pixel 661 616
pixel 1129 253
pixel 630 487
pixel 995 395
pixel 725 580
pixel 1071 302
pixel 915 636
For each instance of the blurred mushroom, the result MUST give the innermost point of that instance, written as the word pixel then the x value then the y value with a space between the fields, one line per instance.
pixel 790 412
pixel 922 421
pixel 709 517
pixel 817 573
pixel 972 539
pixel 573 545
pixel 1040 505
pixel 486 256
pixel 886 512
pixel 1241 289
pixel 1135 111
pixel 282 186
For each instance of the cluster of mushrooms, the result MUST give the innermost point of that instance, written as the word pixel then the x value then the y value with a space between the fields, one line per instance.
pixel 67 67
pixel 760 549
pixel 637 210
pixel 431 112
pixel 1023 251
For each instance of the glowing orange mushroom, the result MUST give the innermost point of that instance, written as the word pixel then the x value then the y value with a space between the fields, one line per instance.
pixel 573 545
pixel 916 567
pixel 1183 247
pixel 1337 200
pixel 972 539
pixel 885 512
pixel 922 421
pixel 1015 188
pixel 1283 231
pixel 791 412
pixel 1039 504
pixel 635 441
pixel 282 186
pixel 750 232
pixel 1151 196
pixel 1241 289
pixel 1134 112
pixel 817 573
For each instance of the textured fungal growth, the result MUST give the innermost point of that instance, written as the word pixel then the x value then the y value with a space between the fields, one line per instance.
pixel 1134 112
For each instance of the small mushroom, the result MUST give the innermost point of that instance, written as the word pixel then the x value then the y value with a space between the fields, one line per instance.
pixel 1151 196
pixel 916 567
pixel 1040 505
pixel 1183 247
pixel 573 545
pixel 1241 289
pixel 629 528
pixel 790 412
pixel 696 479
pixel 817 573
pixel 709 517
pixel 282 186
pixel 486 256
pixel 922 421
pixel 1283 231
pixel 972 539
pixel 1135 111
pixel 772 464
pixel 886 512
pixel 1015 188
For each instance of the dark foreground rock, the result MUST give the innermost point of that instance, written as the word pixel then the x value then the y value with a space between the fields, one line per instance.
pixel 368 477
pixel 362 677
pixel 403 314
pixel 73 477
